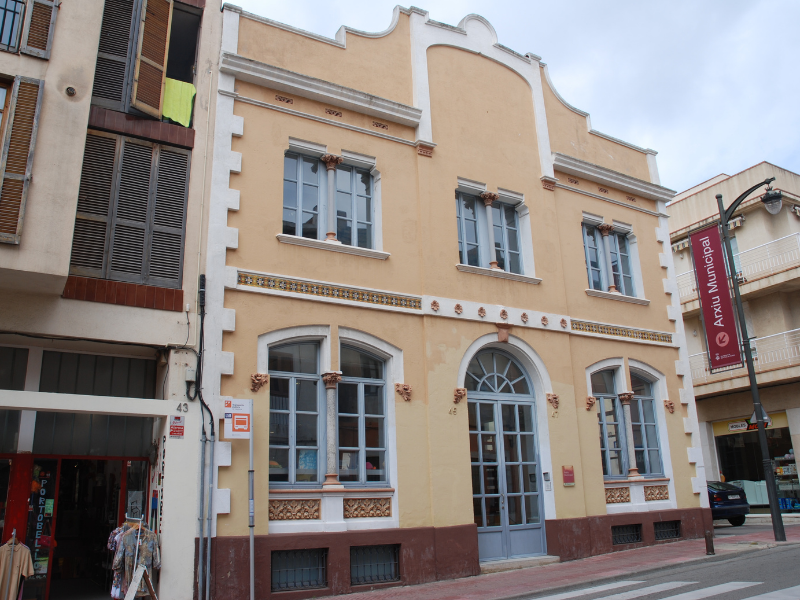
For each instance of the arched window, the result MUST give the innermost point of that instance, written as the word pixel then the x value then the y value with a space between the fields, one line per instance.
pixel 361 418
pixel 294 423
pixel 495 372
pixel 609 416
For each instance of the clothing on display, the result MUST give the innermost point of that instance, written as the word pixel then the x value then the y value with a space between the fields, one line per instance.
pixel 15 562
pixel 134 547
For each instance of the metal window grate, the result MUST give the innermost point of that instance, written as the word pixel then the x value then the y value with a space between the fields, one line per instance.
pixel 299 569
pixel 626 534
pixel 667 530
pixel 374 564
pixel 11 16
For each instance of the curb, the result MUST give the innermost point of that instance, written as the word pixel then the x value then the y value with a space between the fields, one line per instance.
pixel 747 549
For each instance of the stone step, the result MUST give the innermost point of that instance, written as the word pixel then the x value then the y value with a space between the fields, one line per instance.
pixel 761 519
pixel 510 564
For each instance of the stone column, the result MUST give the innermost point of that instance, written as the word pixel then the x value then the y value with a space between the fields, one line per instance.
pixel 331 379
pixel 331 162
pixel 625 398
pixel 605 229
pixel 488 199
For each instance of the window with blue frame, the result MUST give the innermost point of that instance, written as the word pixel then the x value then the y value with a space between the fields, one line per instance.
pixel 609 416
pixel 645 434
pixel 354 210
pixel 619 249
pixel 593 249
pixel 294 414
pixel 621 263
pixel 471 220
pixel 301 195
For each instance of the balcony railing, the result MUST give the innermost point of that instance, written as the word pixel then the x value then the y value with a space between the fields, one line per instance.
pixel 755 263
pixel 770 352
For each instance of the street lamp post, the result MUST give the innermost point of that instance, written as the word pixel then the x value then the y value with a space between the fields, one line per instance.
pixel 772 202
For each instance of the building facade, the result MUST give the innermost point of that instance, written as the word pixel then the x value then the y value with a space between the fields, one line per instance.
pixel 103 186
pixel 438 284
pixel 767 257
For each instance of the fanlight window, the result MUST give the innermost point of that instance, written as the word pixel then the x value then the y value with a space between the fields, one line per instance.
pixel 496 373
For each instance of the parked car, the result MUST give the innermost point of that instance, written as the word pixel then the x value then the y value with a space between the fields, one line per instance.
pixel 727 502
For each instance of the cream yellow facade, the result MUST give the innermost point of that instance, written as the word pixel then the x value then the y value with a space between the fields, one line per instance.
pixel 767 256
pixel 430 111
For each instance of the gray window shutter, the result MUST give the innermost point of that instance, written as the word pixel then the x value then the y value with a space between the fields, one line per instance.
pixel 94 204
pixel 110 87
pixel 16 160
pixel 131 213
pixel 40 23
pixel 165 261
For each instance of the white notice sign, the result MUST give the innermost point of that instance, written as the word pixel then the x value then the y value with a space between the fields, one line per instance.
pixel 238 419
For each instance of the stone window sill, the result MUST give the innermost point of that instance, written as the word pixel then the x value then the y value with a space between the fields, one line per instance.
pixel 617 297
pixel 498 273
pixel 642 480
pixel 333 247
pixel 332 490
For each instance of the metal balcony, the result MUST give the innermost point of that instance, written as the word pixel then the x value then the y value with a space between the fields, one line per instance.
pixel 769 353
pixel 756 263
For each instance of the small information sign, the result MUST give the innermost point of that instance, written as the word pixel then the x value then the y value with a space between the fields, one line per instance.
pixel 238 419
pixel 176 427
pixel 568 474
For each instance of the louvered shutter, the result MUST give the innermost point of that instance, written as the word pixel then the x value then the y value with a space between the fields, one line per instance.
pixel 40 23
pixel 16 160
pixel 109 88
pixel 165 260
pixel 94 205
pixel 150 67
pixel 130 219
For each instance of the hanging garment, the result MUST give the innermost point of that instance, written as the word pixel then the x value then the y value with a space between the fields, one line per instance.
pixel 178 101
pixel 116 584
pixel 148 555
pixel 21 567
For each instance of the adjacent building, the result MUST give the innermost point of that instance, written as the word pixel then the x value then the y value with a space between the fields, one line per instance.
pixel 101 245
pixel 767 258
pixel 453 304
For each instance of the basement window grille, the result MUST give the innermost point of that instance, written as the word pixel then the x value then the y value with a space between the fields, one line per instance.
pixel 626 534
pixel 667 530
pixel 299 569
pixel 374 564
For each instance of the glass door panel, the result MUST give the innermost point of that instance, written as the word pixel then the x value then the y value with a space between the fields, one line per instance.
pixel 41 525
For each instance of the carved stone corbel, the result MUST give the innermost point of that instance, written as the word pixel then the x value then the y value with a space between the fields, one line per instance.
pixel 669 405
pixel 331 380
pixel 404 390
pixel 459 394
pixel 258 380
pixel 503 329
pixel 625 397
pixel 590 402
pixel 553 399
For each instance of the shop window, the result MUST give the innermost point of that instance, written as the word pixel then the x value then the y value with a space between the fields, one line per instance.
pixel 131 217
pixel 97 375
pixel 143 42
pixel 361 409
pixel 374 564
pixel 294 409
pixel 299 569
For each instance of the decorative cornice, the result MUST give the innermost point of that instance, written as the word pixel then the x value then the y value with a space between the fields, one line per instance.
pixel 620 181
pixel 656 492
pixel 618 495
pixel 617 296
pixel 294 510
pixel 604 330
pixel 360 508
pixel 320 90
pixel 499 273
pixel 611 200
pixel 296 240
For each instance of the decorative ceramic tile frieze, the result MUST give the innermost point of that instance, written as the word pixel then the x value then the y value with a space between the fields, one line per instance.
pixel 625 332
pixel 293 510
pixel 656 492
pixel 618 495
pixel 310 288
pixel 359 508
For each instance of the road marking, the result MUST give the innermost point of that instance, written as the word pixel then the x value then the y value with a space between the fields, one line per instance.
pixel 787 594
pixel 714 590
pixel 587 591
pixel 653 589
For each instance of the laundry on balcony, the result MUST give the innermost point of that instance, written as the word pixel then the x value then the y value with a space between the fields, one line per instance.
pixel 178 101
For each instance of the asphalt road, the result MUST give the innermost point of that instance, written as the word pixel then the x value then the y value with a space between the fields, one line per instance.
pixel 723 529
pixel 771 574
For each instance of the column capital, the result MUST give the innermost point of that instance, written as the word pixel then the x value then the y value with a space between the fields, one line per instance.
pixel 331 161
pixel 331 379
pixel 604 229
pixel 625 397
pixel 489 198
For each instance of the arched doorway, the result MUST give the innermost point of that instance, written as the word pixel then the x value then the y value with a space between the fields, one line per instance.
pixel 506 479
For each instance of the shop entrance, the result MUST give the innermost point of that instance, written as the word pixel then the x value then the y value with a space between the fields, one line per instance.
pixel 73 504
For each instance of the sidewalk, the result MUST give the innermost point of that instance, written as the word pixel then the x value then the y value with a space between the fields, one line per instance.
pixel 523 583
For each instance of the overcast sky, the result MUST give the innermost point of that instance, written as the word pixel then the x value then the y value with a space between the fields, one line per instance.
pixel 712 85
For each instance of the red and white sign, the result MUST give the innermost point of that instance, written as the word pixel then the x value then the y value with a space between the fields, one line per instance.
pixel 238 419
pixel 176 427
pixel 568 473
pixel 715 299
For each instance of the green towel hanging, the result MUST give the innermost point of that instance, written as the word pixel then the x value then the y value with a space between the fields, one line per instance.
pixel 178 101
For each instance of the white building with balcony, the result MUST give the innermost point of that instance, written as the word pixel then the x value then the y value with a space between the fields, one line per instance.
pixel 767 258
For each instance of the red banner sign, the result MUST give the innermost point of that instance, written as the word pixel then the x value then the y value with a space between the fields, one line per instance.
pixel 715 299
